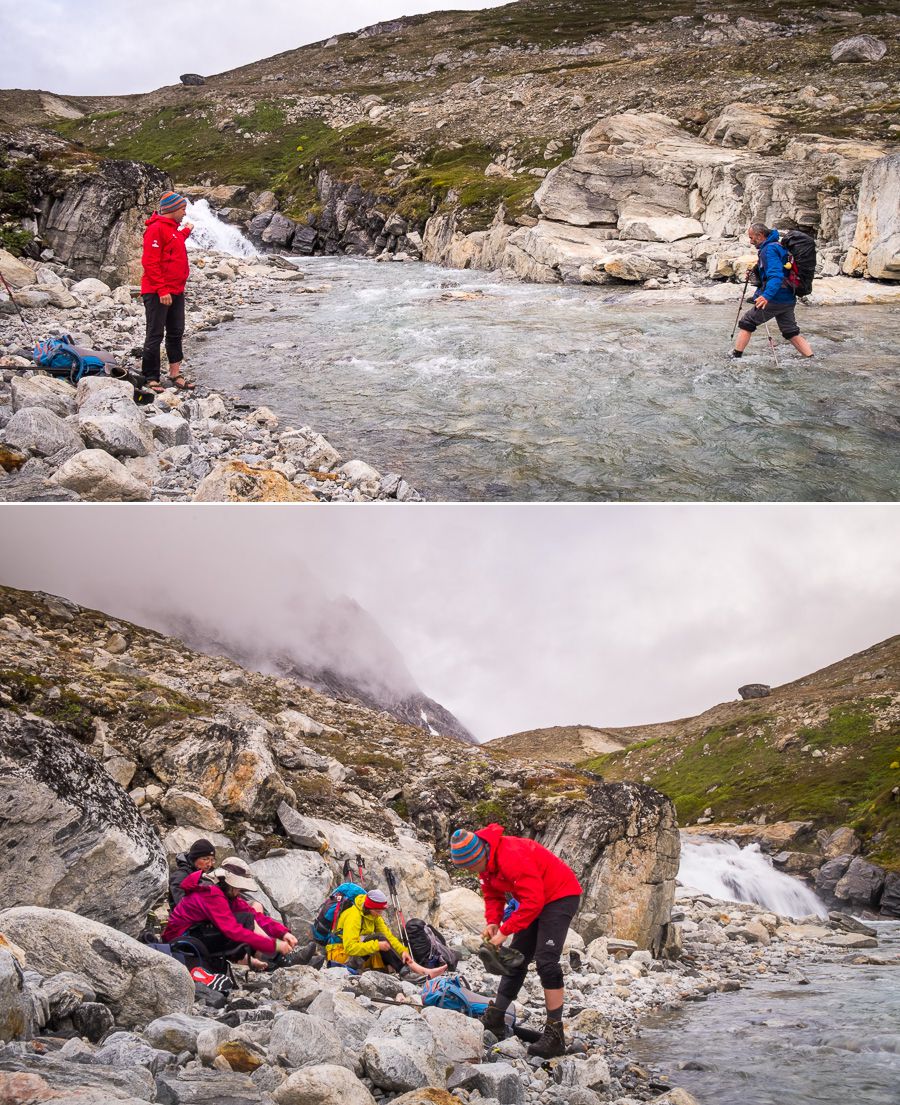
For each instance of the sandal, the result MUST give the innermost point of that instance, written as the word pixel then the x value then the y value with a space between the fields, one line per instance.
pixel 181 383
pixel 155 386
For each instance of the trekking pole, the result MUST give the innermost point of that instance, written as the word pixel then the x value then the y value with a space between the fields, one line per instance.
pixel 740 304
pixel 395 905
pixel 9 291
pixel 771 343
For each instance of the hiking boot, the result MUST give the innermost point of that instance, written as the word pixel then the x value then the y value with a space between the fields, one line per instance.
pixel 297 956
pixel 500 960
pixel 494 1021
pixel 552 1041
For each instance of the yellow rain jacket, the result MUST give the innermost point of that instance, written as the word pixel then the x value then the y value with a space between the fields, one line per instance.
pixel 360 929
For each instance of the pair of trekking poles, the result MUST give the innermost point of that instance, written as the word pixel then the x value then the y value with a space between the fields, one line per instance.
pixel 390 879
pixel 738 318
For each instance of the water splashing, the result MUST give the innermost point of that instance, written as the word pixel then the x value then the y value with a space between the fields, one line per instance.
pixel 723 870
pixel 211 233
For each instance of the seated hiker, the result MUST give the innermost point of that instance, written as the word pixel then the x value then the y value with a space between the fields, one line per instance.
pixel 363 941
pixel 214 912
pixel 201 856
pixel 548 895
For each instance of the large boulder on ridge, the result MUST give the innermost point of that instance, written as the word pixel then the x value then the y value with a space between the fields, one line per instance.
pixel 136 982
pixel 70 836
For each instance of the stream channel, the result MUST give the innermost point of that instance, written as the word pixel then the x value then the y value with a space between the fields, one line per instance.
pixel 474 387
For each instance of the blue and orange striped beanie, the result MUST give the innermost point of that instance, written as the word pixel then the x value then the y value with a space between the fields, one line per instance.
pixel 466 849
pixel 170 202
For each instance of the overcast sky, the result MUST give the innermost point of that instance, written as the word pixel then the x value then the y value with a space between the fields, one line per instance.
pixel 514 617
pixel 107 47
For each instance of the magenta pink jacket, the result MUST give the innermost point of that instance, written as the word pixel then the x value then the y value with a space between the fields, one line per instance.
pixel 204 901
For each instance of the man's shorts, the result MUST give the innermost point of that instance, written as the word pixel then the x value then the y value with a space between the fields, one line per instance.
pixel 783 313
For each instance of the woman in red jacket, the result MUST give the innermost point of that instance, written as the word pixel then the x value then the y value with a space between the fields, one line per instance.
pixel 166 271
pixel 548 894
pixel 213 910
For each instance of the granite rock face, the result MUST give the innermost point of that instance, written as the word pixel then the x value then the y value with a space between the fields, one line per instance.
pixel 71 838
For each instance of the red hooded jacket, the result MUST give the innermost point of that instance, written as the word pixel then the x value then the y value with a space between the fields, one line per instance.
pixel 528 871
pixel 205 901
pixel 165 258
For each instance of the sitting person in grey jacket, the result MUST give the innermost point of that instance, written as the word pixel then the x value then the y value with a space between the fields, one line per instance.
pixel 201 856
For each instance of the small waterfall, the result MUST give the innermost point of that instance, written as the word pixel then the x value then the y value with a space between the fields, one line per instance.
pixel 211 233
pixel 723 870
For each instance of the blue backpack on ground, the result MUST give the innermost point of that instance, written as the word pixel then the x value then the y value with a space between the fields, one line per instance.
pixel 450 992
pixel 325 923
pixel 62 357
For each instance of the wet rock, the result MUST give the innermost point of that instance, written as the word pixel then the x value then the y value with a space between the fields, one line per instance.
pixel 861 884
pixel 95 475
pixel 279 232
pixel 136 982
pixel 322 1084
pixel 831 873
pixel 849 940
pixel 890 897
pixel 56 801
pixel 40 432
pixel 859 48
pixel 299 1040
pixel 48 392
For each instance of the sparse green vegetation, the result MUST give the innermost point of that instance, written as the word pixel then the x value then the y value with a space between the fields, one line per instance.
pixel 736 769
pixel 15 204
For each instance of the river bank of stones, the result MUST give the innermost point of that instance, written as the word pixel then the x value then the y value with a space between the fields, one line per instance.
pixel 94 442
pixel 113 1020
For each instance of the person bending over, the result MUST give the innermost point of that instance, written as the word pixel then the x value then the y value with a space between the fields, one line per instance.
pixel 166 270
pixel 214 912
pixel 775 297
pixel 548 895
pixel 363 941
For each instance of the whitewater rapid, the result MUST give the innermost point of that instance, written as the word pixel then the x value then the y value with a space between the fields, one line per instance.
pixel 722 870
pixel 210 233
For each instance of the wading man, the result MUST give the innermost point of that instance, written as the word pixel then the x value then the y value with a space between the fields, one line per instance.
pixel 166 269
pixel 775 297
pixel 548 894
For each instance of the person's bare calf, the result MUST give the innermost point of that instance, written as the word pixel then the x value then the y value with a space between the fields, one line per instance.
pixel 801 345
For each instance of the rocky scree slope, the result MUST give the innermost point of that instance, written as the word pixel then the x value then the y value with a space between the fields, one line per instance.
pixel 203 746
pixel 685 121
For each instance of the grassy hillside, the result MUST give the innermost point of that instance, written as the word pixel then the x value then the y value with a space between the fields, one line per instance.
pixel 825 749
pixel 417 109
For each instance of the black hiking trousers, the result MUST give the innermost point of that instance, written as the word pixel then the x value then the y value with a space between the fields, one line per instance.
pixel 218 944
pixel 542 942
pixel 162 320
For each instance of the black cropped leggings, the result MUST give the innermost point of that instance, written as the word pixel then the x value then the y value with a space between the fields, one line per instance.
pixel 542 942
pixel 162 320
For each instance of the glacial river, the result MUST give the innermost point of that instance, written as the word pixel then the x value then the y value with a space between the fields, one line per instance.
pixel 477 388
pixel 833 1042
